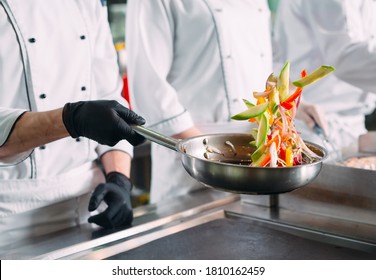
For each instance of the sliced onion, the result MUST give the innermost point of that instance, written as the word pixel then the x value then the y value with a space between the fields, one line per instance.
pixel 262 93
pixel 273 155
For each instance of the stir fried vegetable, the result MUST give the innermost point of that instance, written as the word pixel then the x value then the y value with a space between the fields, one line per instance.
pixel 276 140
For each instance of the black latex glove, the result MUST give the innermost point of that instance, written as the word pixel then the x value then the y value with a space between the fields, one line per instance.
pixel 104 121
pixel 116 193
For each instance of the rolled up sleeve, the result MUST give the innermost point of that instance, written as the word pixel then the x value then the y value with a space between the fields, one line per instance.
pixel 8 118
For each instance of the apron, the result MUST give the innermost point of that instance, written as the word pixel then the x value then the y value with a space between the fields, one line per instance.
pixel 39 211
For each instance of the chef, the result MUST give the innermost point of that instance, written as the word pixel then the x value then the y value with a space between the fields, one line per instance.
pixel 55 57
pixel 198 60
pixel 341 33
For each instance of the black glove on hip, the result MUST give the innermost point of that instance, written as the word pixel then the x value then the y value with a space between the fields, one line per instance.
pixel 104 121
pixel 116 193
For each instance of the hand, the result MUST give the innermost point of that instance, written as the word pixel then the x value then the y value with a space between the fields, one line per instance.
pixel 116 193
pixel 104 121
pixel 312 115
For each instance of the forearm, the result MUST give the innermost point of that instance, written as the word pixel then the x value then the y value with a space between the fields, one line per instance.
pixel 34 129
pixel 118 161
pixel 191 132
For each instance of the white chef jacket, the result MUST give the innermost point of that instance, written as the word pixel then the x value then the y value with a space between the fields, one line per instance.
pixel 340 33
pixel 192 62
pixel 52 52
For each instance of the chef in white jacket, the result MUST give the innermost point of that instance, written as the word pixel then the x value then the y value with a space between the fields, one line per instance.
pixel 54 57
pixel 196 70
pixel 190 64
pixel 341 33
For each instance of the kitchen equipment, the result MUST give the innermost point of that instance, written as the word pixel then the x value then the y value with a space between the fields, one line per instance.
pixel 195 226
pixel 222 161
pixel 252 240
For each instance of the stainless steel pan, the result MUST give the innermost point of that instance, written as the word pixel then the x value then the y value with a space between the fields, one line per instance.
pixel 221 161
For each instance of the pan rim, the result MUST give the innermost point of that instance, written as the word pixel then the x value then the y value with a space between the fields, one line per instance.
pixel 180 148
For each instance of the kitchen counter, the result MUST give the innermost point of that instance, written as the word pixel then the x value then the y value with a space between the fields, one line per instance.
pixel 87 236
pixel 210 224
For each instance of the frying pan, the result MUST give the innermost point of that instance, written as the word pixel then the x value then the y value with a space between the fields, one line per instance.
pixel 221 161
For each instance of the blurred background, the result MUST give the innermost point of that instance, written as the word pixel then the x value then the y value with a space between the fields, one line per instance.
pixel 141 164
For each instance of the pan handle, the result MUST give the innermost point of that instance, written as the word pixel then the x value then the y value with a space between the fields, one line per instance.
pixel 156 137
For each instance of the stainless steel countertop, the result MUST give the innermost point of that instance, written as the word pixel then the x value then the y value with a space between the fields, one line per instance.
pixel 146 218
pixel 155 222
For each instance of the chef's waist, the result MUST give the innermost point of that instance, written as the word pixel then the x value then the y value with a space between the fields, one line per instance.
pixel 21 195
pixel 225 127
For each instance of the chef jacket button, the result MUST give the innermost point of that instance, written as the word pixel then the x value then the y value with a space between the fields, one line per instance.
pixel 260 10
pixel 42 147
pixel 82 37
pixel 42 96
pixel 219 10
pixel 83 88
pixel 32 40
pixel 78 139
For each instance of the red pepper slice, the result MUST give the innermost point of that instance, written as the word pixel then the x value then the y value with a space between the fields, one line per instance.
pixel 287 103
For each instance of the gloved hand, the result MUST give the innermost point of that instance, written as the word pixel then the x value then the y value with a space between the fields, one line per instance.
pixel 116 193
pixel 104 121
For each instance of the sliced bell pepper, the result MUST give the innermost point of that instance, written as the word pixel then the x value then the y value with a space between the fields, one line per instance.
pixel 289 157
pixel 287 103
pixel 274 112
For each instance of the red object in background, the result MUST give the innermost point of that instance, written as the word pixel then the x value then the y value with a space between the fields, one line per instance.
pixel 125 92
